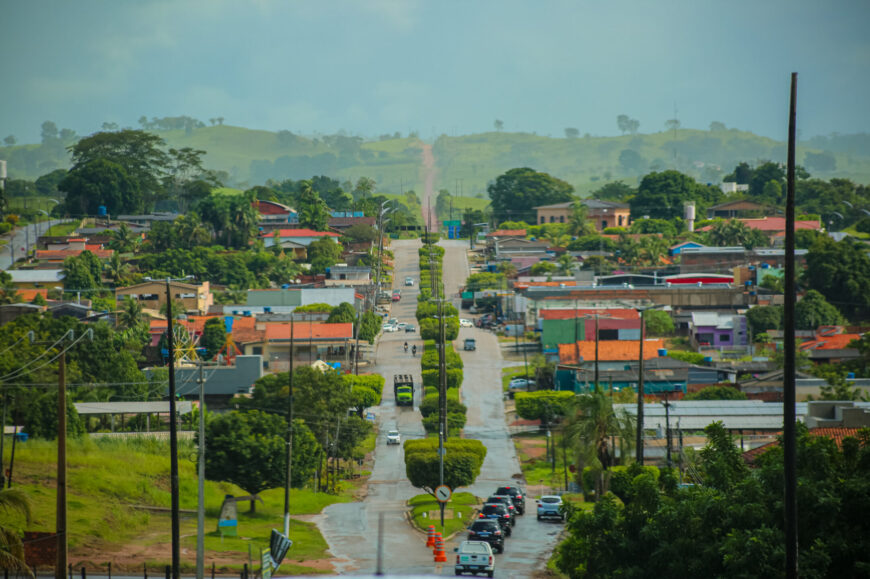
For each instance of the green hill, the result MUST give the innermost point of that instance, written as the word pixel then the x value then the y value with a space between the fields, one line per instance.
pixel 251 157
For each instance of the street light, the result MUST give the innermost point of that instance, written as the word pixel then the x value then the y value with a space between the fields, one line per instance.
pixel 639 434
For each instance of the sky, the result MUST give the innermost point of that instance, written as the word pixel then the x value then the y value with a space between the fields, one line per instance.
pixel 439 66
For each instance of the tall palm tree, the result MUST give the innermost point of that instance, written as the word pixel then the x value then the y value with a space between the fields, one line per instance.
pixel 16 502
pixel 578 223
pixel 192 231
pixel 130 313
pixel 566 263
pixel 124 240
pixel 117 270
pixel 589 429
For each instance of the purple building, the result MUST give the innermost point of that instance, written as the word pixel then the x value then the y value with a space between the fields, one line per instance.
pixel 716 330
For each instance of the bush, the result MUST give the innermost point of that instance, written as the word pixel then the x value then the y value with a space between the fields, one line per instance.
pixel 430 329
pixel 536 405
pixel 429 406
pixel 429 359
pixel 455 423
pixel 5 228
pixel 690 357
pixel 454 378
pixel 620 478
pixel 373 381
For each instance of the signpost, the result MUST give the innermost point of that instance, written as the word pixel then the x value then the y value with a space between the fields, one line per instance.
pixel 443 493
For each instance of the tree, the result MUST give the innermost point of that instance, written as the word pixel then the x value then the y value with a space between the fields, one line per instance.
pixel 631 162
pixel 578 223
pixel 672 124
pixel 47 185
pixel 499 125
pixel 214 337
pixel 97 183
pixel 82 272
pixel 614 191
pixel 567 264
pixel 13 502
pixel 543 268
pixel 658 323
pixel 10 140
pixel 343 313
pixel 717 127
pixel 462 461
pixel 361 233
pixel 139 153
pixel 591 422
pixel 663 195
pixel 40 418
pixel 323 253
pixel 732 232
pixel 663 226
pixel 517 192
pixel 840 271
pixel 544 405
pixel 821 162
pixel 623 122
pixel 716 393
pixel 813 310
pixel 313 212
pixel 764 318
pixel 130 314
pixel 49 132
pixel 248 450
pixel 571 133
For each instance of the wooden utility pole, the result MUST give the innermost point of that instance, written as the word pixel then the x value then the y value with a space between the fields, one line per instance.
pixel 788 386
pixel 60 516
pixel 173 442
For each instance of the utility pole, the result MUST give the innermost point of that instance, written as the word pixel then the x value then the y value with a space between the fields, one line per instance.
pixel 596 352
pixel 788 406
pixel 667 405
pixel 60 517
pixel 289 437
pixel 200 483
pixel 639 434
pixel 2 443
pixel 173 440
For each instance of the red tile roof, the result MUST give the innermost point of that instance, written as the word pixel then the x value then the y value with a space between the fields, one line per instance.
pixel 300 233
pixel 28 294
pixel 609 350
pixel 305 330
pixel 772 224
pixel 571 314
pixel 507 233
pixel 835 342
pixel 835 433
pixel 528 284
pixel 65 253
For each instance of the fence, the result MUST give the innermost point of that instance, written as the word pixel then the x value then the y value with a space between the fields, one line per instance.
pixel 105 572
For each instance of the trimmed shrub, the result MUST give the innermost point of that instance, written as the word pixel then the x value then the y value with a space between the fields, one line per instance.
pixel 535 405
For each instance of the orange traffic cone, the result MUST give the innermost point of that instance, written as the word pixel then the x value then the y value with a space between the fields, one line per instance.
pixel 440 553
pixel 430 539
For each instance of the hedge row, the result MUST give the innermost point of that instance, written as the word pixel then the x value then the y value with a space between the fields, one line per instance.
pixel 542 404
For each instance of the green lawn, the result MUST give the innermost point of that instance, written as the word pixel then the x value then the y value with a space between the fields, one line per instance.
pixel 109 478
pixel 511 372
pixel 62 229
pixel 425 505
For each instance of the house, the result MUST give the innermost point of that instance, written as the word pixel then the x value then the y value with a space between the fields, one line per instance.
pixel 771 226
pixel 285 300
pixel 274 212
pixel 145 220
pixel 347 275
pixel 312 341
pixel 341 221
pixel 831 346
pixel 510 248
pixel 152 294
pixel 739 208
pixel 612 354
pixel 678 248
pixel 36 278
pixel 661 375
pixel 717 330
pixel 602 213
pixel 565 326
pixel 295 238
pixel 9 312
pixel 73 247
pixel 500 235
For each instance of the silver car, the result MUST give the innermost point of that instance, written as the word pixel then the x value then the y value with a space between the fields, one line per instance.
pixel 550 507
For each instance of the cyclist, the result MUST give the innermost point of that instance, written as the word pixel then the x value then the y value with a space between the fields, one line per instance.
pixel 414 350
pixel 406 347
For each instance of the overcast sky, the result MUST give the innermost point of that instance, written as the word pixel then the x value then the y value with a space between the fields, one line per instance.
pixel 437 66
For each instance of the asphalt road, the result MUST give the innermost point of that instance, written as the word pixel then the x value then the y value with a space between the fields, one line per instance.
pixel 351 529
pixel 23 238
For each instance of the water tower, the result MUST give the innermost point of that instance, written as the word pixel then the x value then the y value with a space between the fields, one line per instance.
pixel 690 216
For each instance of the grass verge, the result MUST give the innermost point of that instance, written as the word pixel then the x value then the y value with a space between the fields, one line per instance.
pixel 424 512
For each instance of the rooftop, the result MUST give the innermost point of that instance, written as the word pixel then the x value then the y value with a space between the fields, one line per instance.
pixel 299 233
pixel 609 350
pixel 507 233
pixel 567 314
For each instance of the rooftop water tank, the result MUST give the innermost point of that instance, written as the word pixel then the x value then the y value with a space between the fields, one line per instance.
pixel 663 353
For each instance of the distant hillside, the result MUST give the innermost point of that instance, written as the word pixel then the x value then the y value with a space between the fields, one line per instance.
pixel 469 162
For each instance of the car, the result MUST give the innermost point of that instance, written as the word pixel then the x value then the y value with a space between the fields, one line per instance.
pixel 394 321
pixel 409 281
pixel 401 325
pixel 390 327
pixel 500 513
pixel 410 328
pixel 521 383
pixel 506 501
pixel 396 297
pixel 470 344
pixel 463 323
pixel 474 557
pixel 515 493
pixel 489 531
pixel 473 309
pixel 550 507
pixel 393 437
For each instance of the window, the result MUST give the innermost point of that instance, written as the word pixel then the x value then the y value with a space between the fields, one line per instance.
pixel 725 338
pixel 258 350
pixel 603 224
pixel 561 219
pixel 543 219
pixel 621 218
pixel 552 219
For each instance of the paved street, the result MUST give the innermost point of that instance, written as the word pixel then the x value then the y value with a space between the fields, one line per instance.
pixel 25 237
pixel 351 528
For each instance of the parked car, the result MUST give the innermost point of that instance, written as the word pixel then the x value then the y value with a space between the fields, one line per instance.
pixel 401 325
pixel 474 557
pixel 521 383
pixel 500 513
pixel 506 501
pixel 397 297
pixel 410 328
pixel 464 323
pixel 516 494
pixel 487 530
pixel 390 327
pixel 470 344
pixel 409 281
pixel 393 437
pixel 550 507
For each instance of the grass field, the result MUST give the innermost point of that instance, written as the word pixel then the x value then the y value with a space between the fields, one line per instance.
pixel 63 229
pixel 461 506
pixel 110 480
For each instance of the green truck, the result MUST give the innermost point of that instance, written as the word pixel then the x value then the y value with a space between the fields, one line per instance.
pixel 403 389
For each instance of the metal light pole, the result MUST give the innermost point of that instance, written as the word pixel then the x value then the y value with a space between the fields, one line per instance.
pixel 289 479
pixel 200 483
pixel 173 440
pixel 639 434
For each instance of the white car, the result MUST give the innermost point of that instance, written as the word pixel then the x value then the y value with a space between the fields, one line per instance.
pixel 550 507
pixel 521 383
pixel 401 325
pixel 390 327
pixel 463 323
pixel 409 281
pixel 393 437
pixel 474 557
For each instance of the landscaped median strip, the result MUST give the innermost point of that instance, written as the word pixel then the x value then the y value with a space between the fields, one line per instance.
pixel 459 512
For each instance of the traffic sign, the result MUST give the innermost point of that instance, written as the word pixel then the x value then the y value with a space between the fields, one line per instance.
pixel 442 493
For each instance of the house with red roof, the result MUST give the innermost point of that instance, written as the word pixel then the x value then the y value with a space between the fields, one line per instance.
pixel 564 326
pixel 612 354
pixel 295 238
pixel 773 226
pixel 311 341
